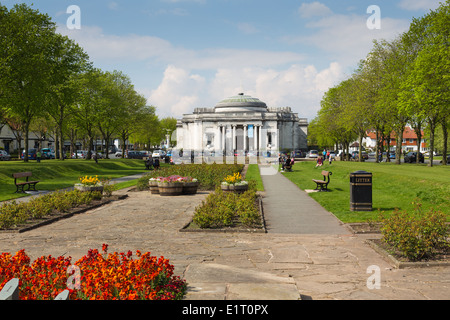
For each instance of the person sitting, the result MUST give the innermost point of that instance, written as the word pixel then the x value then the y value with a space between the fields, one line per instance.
pixel 287 165
pixel 319 162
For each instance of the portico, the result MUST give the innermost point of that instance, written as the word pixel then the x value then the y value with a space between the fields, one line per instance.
pixel 241 125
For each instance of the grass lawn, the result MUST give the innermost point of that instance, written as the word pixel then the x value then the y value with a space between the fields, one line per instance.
pixel 393 186
pixel 253 174
pixel 55 174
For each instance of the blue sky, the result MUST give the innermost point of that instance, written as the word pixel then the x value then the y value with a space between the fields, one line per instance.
pixel 183 54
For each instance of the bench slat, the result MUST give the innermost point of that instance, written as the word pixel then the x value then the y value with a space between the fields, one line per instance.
pixel 22 174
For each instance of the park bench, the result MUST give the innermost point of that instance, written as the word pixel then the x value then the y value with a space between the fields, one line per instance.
pixel 21 185
pixel 322 185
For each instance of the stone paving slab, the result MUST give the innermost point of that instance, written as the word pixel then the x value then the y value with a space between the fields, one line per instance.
pixel 232 265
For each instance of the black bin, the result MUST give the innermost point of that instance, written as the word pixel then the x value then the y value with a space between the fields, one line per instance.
pixel 361 191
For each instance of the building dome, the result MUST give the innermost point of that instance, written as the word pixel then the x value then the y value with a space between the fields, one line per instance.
pixel 241 103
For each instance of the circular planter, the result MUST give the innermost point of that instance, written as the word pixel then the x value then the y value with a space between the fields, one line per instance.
pixel 89 188
pixel 235 188
pixel 190 187
pixel 170 188
pixel 154 189
pixel 240 188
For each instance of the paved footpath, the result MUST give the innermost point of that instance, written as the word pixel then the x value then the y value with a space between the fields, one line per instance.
pixel 217 266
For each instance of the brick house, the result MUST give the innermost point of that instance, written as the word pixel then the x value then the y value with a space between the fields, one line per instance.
pixel 409 141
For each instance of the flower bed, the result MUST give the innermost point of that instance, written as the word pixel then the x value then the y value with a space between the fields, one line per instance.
pixel 234 183
pixel 90 184
pixel 104 276
pixel 225 210
pixel 209 175
pixel 173 185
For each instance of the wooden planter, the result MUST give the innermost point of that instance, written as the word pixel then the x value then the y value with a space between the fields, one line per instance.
pixel 154 189
pixel 170 188
pixel 234 188
pixel 190 187
pixel 89 188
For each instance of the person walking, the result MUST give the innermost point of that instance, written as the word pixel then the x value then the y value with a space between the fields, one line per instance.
pixel 38 156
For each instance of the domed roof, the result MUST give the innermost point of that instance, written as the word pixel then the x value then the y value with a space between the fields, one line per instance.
pixel 241 103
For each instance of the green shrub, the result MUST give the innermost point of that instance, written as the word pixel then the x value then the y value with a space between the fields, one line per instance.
pixel 416 235
pixel 13 213
pixel 225 209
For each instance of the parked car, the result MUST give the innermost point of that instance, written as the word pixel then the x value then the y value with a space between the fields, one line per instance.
pixel 31 154
pixel 392 155
pixel 157 154
pixel 296 154
pixel 411 157
pixel 364 155
pixel 4 156
pixel 79 154
pixel 312 154
pixel 134 155
pixel 47 153
pixel 146 153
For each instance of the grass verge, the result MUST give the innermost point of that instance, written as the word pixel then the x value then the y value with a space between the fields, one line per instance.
pixel 55 174
pixel 253 174
pixel 393 187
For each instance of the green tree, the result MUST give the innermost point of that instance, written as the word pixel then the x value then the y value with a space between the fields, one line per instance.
pixel 27 41
pixel 429 77
pixel 68 61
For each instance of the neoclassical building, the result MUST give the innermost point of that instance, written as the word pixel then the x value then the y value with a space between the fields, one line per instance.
pixel 242 125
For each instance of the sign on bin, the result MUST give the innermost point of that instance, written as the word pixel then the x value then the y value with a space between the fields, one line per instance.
pixel 361 191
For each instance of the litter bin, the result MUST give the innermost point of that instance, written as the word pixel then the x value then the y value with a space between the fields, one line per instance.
pixel 361 191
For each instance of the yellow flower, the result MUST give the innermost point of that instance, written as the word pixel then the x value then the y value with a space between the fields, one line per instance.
pixel 234 178
pixel 89 181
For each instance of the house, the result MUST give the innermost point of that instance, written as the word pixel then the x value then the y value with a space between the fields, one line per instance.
pixel 409 142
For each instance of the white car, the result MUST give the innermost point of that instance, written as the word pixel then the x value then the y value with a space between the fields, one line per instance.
pixel 312 154
pixel 157 154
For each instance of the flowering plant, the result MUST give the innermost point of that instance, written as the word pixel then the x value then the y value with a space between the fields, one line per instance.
pixel 102 276
pixel 235 179
pixel 173 178
pixel 89 181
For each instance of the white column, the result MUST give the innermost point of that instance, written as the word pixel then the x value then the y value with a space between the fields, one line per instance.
pixel 224 132
pixel 259 136
pixel 234 137
pixel 245 138
pixel 255 138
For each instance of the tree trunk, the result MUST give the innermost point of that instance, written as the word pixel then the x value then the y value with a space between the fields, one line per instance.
pixel 445 136
pixel 398 147
pixel 432 130
pixel 26 130
pixel 418 131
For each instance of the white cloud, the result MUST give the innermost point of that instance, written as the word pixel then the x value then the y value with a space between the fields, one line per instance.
pixel 346 37
pixel 415 5
pixel 178 92
pixel 297 86
pixel 314 9
pixel 101 46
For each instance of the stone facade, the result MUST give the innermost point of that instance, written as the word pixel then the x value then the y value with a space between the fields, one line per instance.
pixel 242 125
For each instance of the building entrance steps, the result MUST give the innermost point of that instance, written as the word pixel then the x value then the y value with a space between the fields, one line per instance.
pixel 288 209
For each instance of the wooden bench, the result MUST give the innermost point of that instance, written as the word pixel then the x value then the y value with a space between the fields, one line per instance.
pixel 21 185
pixel 322 185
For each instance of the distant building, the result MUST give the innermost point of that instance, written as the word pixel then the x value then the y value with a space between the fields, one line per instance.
pixel 409 142
pixel 242 125
pixel 9 143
